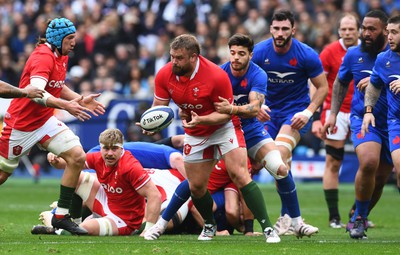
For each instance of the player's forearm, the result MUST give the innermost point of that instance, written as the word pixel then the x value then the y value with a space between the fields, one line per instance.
pixel 153 206
pixel 339 92
pixel 318 98
pixel 372 94
pixel 251 109
pixel 68 94
pixel 9 91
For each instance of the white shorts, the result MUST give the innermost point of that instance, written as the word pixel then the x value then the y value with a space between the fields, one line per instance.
pixel 342 126
pixel 225 139
pixel 101 209
pixel 18 143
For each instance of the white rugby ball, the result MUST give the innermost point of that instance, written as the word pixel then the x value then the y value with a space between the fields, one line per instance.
pixel 156 118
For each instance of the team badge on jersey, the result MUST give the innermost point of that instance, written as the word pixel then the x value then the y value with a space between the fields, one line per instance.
pixel 293 62
pixel 244 83
pixel 187 148
pixel 396 140
pixel 17 150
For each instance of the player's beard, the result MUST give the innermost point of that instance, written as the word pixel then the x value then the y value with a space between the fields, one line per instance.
pixel 239 66
pixel 285 42
pixel 375 47
pixel 396 48
pixel 181 70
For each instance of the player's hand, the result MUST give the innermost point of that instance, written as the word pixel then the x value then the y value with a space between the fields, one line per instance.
pixel 263 114
pixel 300 119
pixel 223 106
pixel 92 104
pixel 76 110
pixel 329 127
pixel 394 86
pixel 316 128
pixel 33 92
pixel 144 131
pixel 363 84
pixel 55 160
pixel 368 119
pixel 195 120
pixel 253 234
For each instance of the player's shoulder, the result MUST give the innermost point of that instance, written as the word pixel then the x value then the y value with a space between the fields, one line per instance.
pixel 302 48
pixel 256 70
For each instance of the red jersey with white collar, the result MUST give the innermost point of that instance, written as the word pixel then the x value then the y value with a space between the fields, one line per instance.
pixel 121 183
pixel 196 94
pixel 331 58
pixel 25 115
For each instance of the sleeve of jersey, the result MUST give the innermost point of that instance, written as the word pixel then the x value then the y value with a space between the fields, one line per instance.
pixel 324 57
pixel 89 164
pixel 313 64
pixel 138 177
pixel 345 73
pixel 375 78
pixel 260 80
pixel 160 87
pixel 41 67
pixel 222 87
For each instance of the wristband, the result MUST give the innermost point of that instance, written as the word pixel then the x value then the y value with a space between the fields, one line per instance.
pixel 368 109
pixel 231 109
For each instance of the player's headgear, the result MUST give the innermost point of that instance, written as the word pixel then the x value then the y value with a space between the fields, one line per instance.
pixel 57 30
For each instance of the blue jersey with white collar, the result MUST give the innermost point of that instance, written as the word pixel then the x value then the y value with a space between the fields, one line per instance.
pixel 150 155
pixel 357 65
pixel 255 80
pixel 288 74
pixel 385 71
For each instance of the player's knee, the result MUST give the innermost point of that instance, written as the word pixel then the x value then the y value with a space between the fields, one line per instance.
pixel 336 153
pixel 7 167
pixel 105 227
pixel 3 176
pixel 274 164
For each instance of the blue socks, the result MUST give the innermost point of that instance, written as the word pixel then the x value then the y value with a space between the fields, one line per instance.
pixel 288 194
pixel 181 195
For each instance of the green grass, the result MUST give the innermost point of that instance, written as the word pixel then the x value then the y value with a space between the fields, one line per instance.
pixel 21 201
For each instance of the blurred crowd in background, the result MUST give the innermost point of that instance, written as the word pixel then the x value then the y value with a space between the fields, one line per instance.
pixel 122 44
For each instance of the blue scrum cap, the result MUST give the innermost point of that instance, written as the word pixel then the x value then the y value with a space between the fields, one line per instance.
pixel 57 29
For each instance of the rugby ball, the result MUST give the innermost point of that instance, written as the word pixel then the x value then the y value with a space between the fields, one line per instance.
pixel 156 118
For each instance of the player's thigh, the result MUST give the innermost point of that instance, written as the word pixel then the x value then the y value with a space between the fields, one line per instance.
pixel 287 140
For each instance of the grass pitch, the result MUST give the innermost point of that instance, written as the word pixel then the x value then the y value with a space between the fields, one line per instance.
pixel 21 201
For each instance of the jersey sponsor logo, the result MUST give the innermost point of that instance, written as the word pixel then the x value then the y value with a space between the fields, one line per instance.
pixel 17 150
pixel 56 84
pixel 190 106
pixel 396 140
pixel 238 97
pixel 112 189
pixel 280 77
pixel 366 71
